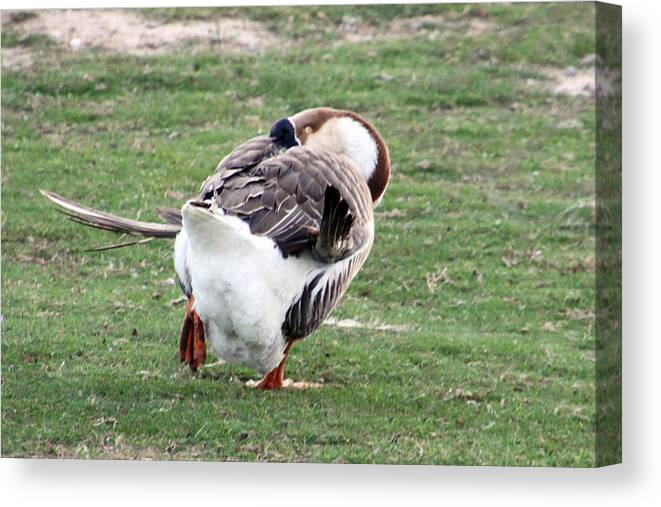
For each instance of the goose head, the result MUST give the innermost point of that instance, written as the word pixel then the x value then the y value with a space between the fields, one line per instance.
pixel 344 133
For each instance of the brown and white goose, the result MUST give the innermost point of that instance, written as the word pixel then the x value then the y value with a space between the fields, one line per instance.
pixel 274 237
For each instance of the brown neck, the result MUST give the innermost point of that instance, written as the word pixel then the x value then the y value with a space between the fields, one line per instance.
pixel 379 179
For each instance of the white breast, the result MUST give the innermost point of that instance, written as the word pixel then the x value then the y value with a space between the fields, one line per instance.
pixel 242 285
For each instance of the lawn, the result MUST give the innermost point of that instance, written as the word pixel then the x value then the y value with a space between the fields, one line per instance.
pixel 472 339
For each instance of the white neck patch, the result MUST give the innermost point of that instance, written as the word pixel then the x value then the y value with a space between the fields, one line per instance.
pixel 359 145
pixel 350 138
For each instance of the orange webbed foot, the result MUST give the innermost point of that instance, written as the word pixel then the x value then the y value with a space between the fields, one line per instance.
pixel 275 379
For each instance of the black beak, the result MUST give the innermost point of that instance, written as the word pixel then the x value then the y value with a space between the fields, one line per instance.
pixel 284 134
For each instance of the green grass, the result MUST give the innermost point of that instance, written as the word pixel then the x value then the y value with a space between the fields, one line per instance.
pixel 485 252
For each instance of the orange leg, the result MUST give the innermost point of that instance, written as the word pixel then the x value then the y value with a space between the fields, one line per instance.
pixel 199 348
pixel 276 377
pixel 192 349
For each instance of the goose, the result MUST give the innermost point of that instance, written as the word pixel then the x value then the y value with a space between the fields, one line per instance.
pixel 273 239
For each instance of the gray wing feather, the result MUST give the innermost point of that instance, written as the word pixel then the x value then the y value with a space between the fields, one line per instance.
pixel 282 194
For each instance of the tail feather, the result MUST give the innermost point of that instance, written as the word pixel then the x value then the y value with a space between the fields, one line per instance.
pixel 334 231
pixel 170 215
pixel 119 245
pixel 109 222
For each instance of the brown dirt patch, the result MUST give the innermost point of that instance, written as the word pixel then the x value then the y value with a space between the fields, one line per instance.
pixel 430 26
pixel 572 82
pixel 126 31
pixel 582 82
pixel 16 58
